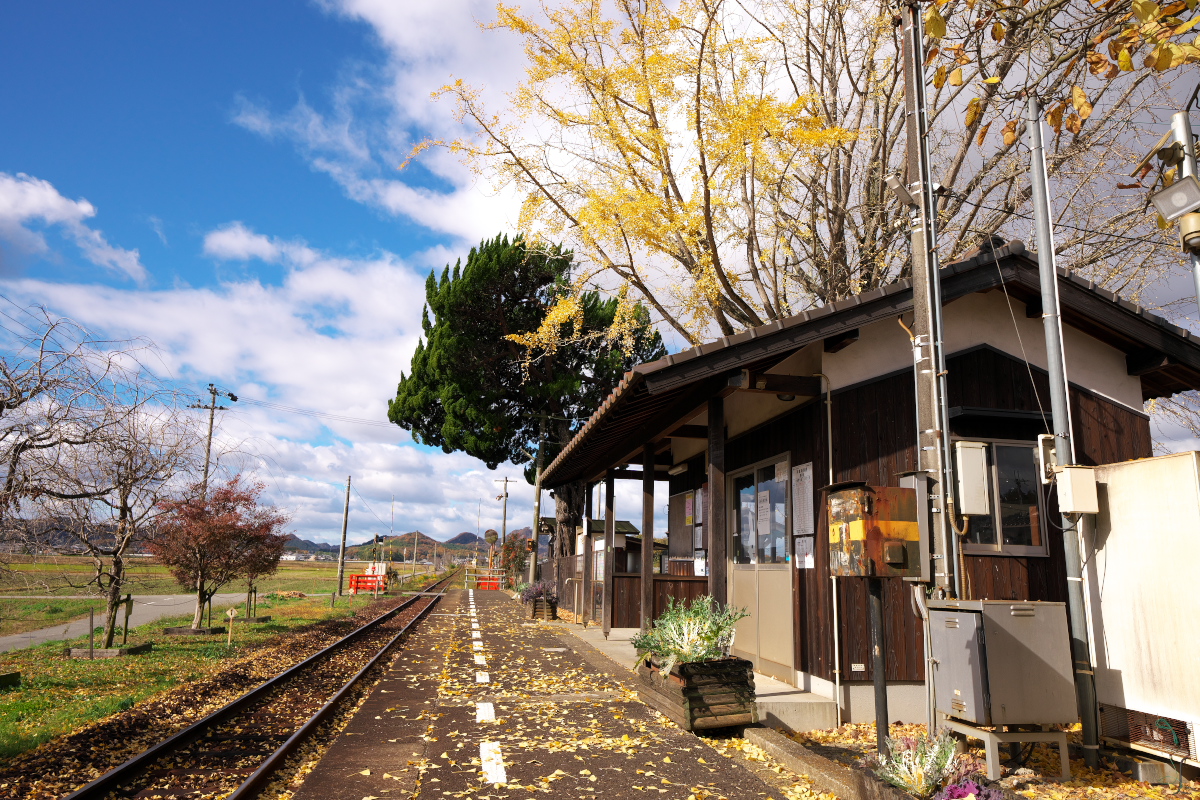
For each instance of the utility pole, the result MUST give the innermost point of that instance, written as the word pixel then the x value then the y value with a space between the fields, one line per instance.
pixel 213 408
pixel 1064 447
pixel 416 545
pixel 504 519
pixel 342 549
pixel 933 439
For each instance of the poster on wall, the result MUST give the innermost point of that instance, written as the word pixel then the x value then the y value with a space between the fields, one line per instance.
pixel 804 552
pixel 689 507
pixel 764 514
pixel 803 522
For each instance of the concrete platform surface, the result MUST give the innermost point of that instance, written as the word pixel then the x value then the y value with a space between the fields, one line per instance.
pixel 779 704
pixel 484 703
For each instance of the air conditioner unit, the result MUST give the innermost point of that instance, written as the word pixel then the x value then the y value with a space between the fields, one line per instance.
pixel 1141 557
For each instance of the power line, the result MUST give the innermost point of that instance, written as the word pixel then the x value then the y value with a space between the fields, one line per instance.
pixel 368 505
pixel 308 412
pixel 1010 212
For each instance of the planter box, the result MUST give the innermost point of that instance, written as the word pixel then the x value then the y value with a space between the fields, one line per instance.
pixel 112 652
pixel 10 680
pixel 187 630
pixel 540 609
pixel 703 694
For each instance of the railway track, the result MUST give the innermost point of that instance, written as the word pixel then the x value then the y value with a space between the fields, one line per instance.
pixel 234 751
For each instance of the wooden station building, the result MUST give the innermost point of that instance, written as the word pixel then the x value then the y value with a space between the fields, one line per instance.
pixel 747 429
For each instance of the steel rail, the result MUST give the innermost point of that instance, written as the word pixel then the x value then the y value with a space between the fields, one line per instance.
pixel 253 783
pixel 123 773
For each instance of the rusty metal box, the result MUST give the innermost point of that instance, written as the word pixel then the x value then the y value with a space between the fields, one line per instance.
pixel 873 531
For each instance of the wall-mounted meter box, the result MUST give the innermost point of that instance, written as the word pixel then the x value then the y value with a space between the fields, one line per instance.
pixel 973 477
pixel 873 531
pixel 1077 490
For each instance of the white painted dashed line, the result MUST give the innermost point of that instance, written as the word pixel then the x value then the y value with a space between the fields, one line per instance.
pixel 485 712
pixel 475 635
pixel 480 660
pixel 482 677
pixel 492 763
pixel 474 626
pixel 477 645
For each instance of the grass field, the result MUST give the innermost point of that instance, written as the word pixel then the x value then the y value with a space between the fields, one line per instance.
pixel 68 575
pixel 58 695
pixel 19 616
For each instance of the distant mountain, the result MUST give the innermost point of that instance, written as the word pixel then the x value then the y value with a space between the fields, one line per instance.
pixel 296 543
pixel 466 538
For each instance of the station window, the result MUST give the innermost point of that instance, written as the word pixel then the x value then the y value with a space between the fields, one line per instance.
pixel 760 519
pixel 1017 522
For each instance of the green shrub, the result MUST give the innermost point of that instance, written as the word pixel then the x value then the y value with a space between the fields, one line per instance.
pixel 689 633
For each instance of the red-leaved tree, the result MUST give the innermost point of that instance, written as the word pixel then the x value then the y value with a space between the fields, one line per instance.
pixel 206 542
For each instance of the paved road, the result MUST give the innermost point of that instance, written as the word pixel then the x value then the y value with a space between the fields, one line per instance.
pixel 146 608
pixel 480 703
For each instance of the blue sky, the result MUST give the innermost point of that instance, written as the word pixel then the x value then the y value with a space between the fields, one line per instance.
pixel 222 178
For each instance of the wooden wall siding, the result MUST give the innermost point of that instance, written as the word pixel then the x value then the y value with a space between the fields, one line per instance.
pixel 1106 432
pixel 627 599
pixel 986 378
pixel 677 586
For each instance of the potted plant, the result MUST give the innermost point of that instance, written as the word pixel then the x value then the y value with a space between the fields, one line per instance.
pixel 543 600
pixel 686 671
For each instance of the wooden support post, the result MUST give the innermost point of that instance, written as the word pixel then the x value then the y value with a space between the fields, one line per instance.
pixel 91 634
pixel 715 515
pixel 610 551
pixel 586 600
pixel 128 611
pixel 647 536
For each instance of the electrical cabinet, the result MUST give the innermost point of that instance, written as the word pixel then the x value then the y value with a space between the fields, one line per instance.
pixel 873 531
pixel 1002 662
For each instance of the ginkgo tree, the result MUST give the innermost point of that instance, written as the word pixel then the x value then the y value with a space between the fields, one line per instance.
pixel 666 150
pixel 724 160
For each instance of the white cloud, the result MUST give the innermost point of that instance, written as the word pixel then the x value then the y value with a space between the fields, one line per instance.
pixel 379 111
pixel 27 202
pixel 236 242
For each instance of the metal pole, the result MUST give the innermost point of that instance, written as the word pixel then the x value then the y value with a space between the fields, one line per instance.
pixel 878 664
pixel 1181 127
pixel 1085 688
pixel 933 440
pixel 342 549
pixel 91 634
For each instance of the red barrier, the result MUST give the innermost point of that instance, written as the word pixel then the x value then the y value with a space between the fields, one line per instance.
pixel 367 583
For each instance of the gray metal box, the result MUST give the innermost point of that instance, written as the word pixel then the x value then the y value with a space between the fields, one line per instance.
pixel 1002 662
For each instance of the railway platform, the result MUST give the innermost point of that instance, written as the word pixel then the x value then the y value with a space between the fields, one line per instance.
pixel 482 703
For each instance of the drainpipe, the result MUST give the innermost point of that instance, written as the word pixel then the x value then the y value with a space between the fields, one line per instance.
pixel 837 652
pixel 1060 409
